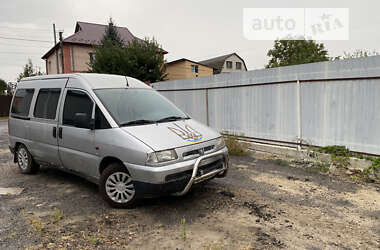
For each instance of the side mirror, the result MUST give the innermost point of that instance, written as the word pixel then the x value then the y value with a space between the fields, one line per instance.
pixel 83 120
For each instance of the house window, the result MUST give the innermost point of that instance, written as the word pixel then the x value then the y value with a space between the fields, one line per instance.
pixel 229 64
pixel 92 57
pixel 238 65
pixel 194 68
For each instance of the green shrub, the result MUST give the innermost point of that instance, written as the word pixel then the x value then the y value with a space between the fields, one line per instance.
pixel 282 162
pixel 324 167
pixel 235 147
pixel 374 168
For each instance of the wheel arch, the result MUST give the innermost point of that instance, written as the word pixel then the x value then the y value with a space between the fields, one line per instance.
pixel 106 161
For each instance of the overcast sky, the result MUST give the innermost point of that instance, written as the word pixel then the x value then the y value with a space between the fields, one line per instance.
pixel 196 29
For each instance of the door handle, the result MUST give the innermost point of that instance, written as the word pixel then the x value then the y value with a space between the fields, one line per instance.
pixel 60 132
pixel 55 132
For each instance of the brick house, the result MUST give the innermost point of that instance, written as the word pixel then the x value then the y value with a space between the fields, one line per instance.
pixel 78 49
pixel 185 68
pixel 226 64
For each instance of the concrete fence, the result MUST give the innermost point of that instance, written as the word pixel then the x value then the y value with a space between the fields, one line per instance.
pixel 5 102
pixel 329 103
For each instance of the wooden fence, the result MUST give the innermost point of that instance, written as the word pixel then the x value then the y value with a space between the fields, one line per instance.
pixel 5 102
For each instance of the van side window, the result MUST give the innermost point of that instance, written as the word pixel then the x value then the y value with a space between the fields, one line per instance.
pixel 21 102
pixel 76 102
pixel 46 104
pixel 100 120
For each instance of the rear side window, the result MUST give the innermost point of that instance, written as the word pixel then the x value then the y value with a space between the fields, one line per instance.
pixel 21 102
pixel 76 102
pixel 46 104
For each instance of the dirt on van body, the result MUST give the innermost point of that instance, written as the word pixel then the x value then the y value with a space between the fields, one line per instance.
pixel 259 205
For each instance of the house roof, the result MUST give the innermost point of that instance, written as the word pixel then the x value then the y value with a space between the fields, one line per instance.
pixel 184 59
pixel 91 34
pixel 218 62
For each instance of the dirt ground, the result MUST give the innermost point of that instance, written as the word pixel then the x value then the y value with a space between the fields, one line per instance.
pixel 259 205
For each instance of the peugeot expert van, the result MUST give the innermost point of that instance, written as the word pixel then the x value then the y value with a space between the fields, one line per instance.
pixel 114 131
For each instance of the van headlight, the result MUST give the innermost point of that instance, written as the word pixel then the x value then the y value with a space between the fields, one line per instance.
pixel 161 156
pixel 220 143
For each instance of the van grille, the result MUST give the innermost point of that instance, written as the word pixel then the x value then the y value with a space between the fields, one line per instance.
pixel 197 152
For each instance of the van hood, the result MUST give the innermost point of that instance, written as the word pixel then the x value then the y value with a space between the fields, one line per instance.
pixel 168 135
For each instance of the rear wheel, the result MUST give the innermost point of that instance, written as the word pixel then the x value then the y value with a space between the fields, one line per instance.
pixel 116 186
pixel 25 161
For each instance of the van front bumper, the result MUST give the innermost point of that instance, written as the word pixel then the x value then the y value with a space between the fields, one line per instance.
pixel 178 178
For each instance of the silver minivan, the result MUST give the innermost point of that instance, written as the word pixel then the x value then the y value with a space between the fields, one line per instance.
pixel 114 131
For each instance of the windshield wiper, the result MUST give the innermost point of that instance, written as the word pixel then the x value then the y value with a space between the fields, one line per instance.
pixel 172 118
pixel 136 122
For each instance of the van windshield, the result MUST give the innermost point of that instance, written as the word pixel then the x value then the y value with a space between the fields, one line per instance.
pixel 130 107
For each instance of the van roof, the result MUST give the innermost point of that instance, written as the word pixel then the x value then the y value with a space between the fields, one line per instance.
pixel 95 81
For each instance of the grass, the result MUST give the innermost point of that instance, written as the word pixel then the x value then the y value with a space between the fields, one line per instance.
pixel 57 215
pixel 324 167
pixel 3 118
pixel 374 168
pixel 183 223
pixel 340 156
pixel 37 225
pixel 282 163
pixel 234 146
pixel 94 240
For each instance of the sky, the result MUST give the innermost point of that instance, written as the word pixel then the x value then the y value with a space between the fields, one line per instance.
pixel 196 29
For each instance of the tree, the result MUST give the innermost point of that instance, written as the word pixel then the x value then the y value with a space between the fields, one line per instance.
pixel 112 35
pixel 141 59
pixel 28 71
pixel 293 52
pixel 356 54
pixel 3 87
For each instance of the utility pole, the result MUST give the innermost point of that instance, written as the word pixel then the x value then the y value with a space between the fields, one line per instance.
pixel 56 50
pixel 61 43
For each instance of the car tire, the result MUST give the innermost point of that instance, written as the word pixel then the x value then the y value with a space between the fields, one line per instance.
pixel 116 186
pixel 25 161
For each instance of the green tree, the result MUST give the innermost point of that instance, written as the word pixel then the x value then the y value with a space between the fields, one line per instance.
pixel 3 87
pixel 356 54
pixel 293 52
pixel 112 35
pixel 28 71
pixel 141 59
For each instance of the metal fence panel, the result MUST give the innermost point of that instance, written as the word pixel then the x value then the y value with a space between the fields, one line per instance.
pixel 338 105
pixel 342 113
pixel 266 111
pixel 191 102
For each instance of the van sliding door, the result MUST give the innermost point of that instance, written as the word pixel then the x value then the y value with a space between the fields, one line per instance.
pixel 44 120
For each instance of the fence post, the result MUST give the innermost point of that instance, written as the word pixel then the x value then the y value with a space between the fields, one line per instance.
pixel 299 115
pixel 207 115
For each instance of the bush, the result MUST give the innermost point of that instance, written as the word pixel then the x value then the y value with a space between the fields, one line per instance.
pixel 234 146
pixel 282 163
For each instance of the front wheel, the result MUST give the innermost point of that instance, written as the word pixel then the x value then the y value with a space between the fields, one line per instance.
pixel 116 186
pixel 25 161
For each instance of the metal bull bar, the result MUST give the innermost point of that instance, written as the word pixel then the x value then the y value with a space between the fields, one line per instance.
pixel 194 179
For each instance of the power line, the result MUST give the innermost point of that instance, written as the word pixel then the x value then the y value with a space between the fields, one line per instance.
pixel 24 39
pixel 18 53
pixel 20 28
pixel 23 45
